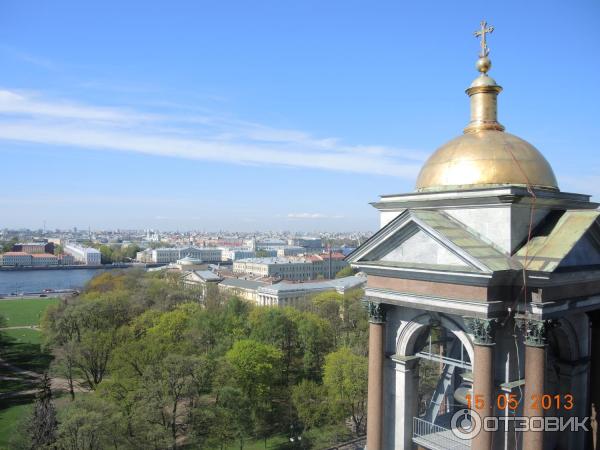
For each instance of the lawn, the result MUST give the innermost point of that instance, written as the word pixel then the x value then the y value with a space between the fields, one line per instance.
pixel 22 348
pixel 9 418
pixel 24 311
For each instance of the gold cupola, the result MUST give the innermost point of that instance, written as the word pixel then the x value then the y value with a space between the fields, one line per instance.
pixel 484 155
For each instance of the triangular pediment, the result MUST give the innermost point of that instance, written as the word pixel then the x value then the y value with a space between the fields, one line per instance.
pixel 424 239
pixel 419 247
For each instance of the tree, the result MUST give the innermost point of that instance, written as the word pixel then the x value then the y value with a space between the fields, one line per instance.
pixel 345 378
pixel 90 423
pixel 329 306
pixel 43 424
pixel 64 364
pixel 345 272
pixel 93 353
pixel 106 254
pixel 165 387
pixel 275 326
pixel 8 245
pixel 255 366
pixel 232 418
pixel 315 336
pixel 310 401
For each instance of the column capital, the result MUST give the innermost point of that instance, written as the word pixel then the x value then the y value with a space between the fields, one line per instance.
pixel 535 331
pixel 376 311
pixel 483 330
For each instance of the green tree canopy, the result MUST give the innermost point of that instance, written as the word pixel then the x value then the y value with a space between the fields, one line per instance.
pixel 345 378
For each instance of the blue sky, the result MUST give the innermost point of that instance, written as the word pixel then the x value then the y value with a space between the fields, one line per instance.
pixel 277 115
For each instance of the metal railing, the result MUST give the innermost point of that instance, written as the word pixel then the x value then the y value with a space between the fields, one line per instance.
pixel 445 360
pixel 436 437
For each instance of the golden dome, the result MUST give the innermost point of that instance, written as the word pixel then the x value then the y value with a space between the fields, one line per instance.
pixel 485 155
pixel 486 158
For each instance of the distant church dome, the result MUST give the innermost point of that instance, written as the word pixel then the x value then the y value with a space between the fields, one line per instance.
pixel 485 156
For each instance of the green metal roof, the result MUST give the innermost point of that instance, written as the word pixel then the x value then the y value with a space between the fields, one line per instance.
pixel 556 239
pixel 467 240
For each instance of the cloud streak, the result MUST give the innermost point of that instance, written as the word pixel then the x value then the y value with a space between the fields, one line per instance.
pixel 28 117
pixel 306 215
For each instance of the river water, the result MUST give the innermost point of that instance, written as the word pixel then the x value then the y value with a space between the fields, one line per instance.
pixel 37 280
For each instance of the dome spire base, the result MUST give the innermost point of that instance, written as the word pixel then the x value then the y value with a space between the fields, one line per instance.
pixel 485 156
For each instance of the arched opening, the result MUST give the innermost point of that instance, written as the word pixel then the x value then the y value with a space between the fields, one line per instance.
pixel 441 355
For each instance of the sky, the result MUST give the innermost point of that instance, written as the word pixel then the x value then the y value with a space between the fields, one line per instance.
pixel 272 115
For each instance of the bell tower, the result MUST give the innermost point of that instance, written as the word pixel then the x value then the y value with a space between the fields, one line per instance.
pixel 483 294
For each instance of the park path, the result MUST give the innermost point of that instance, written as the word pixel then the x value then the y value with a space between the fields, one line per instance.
pixel 22 327
pixel 57 384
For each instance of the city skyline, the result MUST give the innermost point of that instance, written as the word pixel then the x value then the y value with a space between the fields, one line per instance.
pixel 271 116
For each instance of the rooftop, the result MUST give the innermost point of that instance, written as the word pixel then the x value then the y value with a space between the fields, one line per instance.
pixel 338 284
pixel 242 284
pixel 207 275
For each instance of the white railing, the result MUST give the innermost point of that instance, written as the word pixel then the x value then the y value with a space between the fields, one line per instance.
pixel 436 437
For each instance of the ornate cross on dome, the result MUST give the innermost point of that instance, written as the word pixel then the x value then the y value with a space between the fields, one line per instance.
pixel 482 32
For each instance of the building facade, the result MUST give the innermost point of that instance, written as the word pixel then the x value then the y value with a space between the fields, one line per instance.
pixel 294 294
pixel 234 254
pixel 169 255
pixel 34 247
pixel 290 250
pixel 44 259
pixel 84 255
pixel 292 268
pixel 313 243
pixel 16 259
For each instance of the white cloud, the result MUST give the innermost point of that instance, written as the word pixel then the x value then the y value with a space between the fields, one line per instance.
pixel 306 215
pixel 30 118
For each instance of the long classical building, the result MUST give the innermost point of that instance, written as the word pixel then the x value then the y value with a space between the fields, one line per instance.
pixel 293 294
pixel 293 268
pixel 487 276
pixel 169 255
pixel 16 259
pixel 286 294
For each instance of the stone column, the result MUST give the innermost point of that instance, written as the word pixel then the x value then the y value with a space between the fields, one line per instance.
pixel 483 401
pixel 535 377
pixel 407 397
pixel 375 389
pixel 595 375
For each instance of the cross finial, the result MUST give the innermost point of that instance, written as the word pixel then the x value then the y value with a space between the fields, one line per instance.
pixel 484 29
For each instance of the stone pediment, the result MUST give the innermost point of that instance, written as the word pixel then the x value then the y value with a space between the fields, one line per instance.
pixel 429 239
pixel 564 241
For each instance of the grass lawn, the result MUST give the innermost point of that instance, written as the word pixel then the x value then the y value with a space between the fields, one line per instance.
pixel 9 418
pixel 22 347
pixel 24 311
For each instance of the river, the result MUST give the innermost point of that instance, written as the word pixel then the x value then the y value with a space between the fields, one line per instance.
pixel 37 280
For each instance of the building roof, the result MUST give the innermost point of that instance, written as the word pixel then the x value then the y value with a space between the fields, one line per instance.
pixel 557 238
pixel 43 255
pixel 190 260
pixel 273 260
pixel 16 254
pixel 241 284
pixel 325 256
pixel 339 284
pixel 207 275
